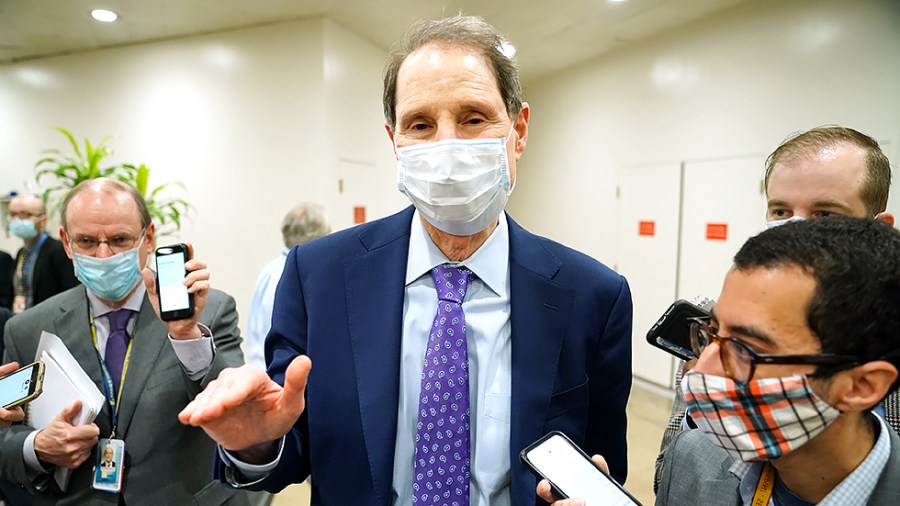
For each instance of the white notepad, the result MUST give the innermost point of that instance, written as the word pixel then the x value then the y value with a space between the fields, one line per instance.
pixel 64 381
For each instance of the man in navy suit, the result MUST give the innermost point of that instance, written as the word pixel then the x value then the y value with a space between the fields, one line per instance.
pixel 547 329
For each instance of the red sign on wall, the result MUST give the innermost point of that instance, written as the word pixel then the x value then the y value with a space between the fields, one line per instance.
pixel 359 215
pixel 717 231
pixel 647 228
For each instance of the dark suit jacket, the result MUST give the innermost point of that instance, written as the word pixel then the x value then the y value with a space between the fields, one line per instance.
pixel 340 301
pixel 53 271
pixel 156 388
pixel 7 268
pixel 696 471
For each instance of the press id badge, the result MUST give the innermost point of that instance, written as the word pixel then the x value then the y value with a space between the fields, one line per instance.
pixel 110 466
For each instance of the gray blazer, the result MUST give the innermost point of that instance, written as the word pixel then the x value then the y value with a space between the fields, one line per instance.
pixel 166 462
pixel 695 471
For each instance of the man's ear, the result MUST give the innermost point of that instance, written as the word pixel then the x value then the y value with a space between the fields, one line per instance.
pixel 885 217
pixel 65 240
pixel 862 387
pixel 391 136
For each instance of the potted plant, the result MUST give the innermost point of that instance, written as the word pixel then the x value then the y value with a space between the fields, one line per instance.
pixel 86 162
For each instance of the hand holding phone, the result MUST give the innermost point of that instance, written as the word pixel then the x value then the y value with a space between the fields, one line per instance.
pixel 22 385
pixel 175 303
pixel 571 473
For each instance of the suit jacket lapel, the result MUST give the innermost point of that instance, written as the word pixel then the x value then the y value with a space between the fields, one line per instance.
pixel 540 312
pixel 375 284
pixel 73 327
pixel 150 337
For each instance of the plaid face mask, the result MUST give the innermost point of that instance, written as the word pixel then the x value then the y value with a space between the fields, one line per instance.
pixel 758 420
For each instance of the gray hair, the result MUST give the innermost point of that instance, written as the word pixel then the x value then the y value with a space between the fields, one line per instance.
pixel 304 223
pixel 465 31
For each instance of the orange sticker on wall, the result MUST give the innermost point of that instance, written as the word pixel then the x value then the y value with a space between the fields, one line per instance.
pixel 647 228
pixel 359 215
pixel 717 231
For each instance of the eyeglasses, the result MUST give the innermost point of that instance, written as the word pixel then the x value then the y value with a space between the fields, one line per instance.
pixel 739 360
pixel 24 215
pixel 88 245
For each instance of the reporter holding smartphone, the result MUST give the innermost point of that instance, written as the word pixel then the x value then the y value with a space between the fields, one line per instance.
pixel 545 493
pixel 148 369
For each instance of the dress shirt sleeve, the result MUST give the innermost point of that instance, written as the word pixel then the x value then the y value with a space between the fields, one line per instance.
pixel 195 355
pixel 241 474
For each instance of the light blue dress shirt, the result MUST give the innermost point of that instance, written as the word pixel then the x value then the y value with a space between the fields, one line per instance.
pixel 854 490
pixel 259 320
pixel 487 311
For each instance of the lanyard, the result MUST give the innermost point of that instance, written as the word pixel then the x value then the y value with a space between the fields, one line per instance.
pixel 114 400
pixel 24 266
pixel 764 486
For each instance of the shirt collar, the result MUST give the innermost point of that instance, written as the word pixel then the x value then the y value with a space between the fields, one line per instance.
pixel 856 482
pixel 490 262
pixel 133 302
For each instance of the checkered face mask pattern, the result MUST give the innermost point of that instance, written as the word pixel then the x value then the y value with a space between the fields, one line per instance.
pixel 758 420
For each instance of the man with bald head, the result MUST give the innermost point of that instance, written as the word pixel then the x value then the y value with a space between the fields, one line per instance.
pixel 42 269
pixel 412 358
pixel 148 369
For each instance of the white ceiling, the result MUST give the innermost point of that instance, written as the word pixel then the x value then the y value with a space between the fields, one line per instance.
pixel 550 34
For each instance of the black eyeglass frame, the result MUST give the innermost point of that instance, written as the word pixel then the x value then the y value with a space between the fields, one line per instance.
pixel 819 359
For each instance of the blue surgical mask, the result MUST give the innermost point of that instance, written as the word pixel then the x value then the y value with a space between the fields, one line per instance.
pixel 110 278
pixel 23 229
pixel 778 223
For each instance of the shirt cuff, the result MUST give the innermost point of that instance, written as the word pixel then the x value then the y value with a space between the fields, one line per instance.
pixel 31 459
pixel 241 474
pixel 195 355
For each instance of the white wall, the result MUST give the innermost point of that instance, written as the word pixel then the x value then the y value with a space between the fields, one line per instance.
pixel 724 87
pixel 256 120
pixel 732 84
pixel 252 121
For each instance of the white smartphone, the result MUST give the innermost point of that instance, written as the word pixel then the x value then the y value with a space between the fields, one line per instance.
pixel 571 473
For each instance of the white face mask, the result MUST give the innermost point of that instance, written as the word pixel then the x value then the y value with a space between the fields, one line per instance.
pixel 459 185
pixel 778 223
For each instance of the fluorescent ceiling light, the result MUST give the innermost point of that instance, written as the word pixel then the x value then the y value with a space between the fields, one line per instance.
pixel 104 15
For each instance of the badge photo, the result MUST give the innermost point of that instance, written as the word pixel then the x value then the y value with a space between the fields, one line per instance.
pixel 110 466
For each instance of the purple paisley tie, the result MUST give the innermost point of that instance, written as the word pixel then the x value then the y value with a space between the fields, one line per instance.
pixel 442 433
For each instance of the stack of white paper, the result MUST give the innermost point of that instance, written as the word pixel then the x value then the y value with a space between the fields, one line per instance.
pixel 64 381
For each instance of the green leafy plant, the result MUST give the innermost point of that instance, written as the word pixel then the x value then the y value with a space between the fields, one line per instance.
pixel 86 162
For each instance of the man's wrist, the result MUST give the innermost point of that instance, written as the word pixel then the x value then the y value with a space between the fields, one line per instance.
pixel 262 453
pixel 196 331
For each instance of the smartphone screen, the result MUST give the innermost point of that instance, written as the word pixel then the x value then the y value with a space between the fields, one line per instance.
pixel 558 460
pixel 174 300
pixel 17 385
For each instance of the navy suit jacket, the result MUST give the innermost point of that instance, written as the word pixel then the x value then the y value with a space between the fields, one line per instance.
pixel 340 301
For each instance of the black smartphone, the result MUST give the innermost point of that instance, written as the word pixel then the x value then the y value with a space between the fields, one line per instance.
pixel 22 386
pixel 671 332
pixel 175 303
pixel 572 473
